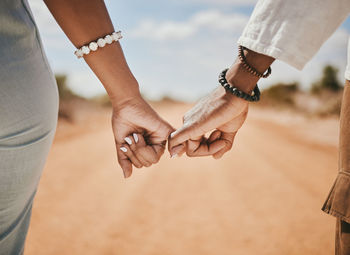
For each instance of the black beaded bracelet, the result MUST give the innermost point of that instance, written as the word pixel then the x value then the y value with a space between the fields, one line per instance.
pixel 235 91
pixel 248 67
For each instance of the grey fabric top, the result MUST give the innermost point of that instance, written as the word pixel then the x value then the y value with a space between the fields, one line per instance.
pixel 18 33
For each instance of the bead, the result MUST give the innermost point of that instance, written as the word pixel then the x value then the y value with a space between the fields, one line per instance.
pixel 85 50
pixel 249 68
pixel 101 42
pixel 79 53
pixel 116 36
pixel 109 39
pixel 253 97
pixel 93 46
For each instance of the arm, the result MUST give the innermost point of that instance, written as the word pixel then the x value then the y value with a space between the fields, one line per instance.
pixel 83 22
pixel 291 31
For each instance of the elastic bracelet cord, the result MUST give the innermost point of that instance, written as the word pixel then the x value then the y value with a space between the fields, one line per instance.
pixel 235 91
pixel 99 43
pixel 248 67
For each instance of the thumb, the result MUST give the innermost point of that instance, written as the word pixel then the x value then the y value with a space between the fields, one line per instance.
pixel 161 134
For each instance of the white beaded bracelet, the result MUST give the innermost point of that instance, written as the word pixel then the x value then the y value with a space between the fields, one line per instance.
pixel 99 43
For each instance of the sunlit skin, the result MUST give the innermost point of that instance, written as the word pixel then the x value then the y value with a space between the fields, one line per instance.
pixel 220 112
pixel 85 21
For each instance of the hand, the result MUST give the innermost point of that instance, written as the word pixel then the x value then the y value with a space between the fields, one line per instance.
pixel 219 111
pixel 140 134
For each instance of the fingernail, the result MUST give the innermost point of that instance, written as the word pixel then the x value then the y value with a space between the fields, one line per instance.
pixel 174 156
pixel 128 140
pixel 172 134
pixel 123 149
pixel 136 137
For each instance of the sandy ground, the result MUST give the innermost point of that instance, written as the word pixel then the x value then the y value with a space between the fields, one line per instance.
pixel 264 197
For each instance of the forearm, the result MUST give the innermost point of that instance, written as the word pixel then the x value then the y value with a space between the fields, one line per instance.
pixel 238 76
pixel 293 31
pixel 85 21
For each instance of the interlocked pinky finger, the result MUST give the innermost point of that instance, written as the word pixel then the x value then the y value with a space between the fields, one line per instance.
pixel 125 149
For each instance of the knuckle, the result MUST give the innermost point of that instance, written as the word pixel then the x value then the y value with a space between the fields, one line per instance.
pixel 138 165
pixel 190 154
pixel 229 145
pixel 218 156
pixel 155 160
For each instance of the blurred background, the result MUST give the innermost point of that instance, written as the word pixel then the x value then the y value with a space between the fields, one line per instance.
pixel 263 197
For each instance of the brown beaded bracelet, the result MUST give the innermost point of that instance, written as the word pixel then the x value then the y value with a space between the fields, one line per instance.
pixel 249 68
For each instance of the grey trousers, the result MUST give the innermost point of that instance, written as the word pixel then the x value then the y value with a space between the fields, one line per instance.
pixel 28 117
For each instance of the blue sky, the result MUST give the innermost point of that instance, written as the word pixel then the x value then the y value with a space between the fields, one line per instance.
pixel 176 48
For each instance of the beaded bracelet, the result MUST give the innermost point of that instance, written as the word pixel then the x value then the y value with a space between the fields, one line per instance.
pixel 99 43
pixel 235 91
pixel 248 67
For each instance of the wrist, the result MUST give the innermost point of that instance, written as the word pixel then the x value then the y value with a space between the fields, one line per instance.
pixel 110 66
pixel 126 92
pixel 240 77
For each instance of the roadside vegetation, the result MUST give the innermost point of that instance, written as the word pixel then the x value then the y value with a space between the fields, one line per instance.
pixel 323 98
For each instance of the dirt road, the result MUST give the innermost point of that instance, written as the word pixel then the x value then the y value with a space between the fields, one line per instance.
pixel 264 197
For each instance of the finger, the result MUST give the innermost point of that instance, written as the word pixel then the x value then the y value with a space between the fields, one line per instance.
pixel 228 138
pixel 133 141
pixel 145 153
pixel 161 135
pixel 180 136
pixel 214 136
pixel 125 148
pixel 159 150
pixel 124 163
pixel 192 130
pixel 194 144
pixel 178 150
pixel 195 149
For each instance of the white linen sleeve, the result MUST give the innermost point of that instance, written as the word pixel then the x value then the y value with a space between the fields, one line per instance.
pixel 293 30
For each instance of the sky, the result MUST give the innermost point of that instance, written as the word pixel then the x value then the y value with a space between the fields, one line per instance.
pixel 176 48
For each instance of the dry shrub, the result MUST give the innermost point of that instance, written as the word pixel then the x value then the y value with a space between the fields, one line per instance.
pixel 280 95
pixel 67 96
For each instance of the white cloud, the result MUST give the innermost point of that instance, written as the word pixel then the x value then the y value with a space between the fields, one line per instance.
pixel 85 83
pixel 182 58
pixel 43 18
pixel 168 30
pixel 52 35
pixel 214 19
pixel 171 30
pixel 193 63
